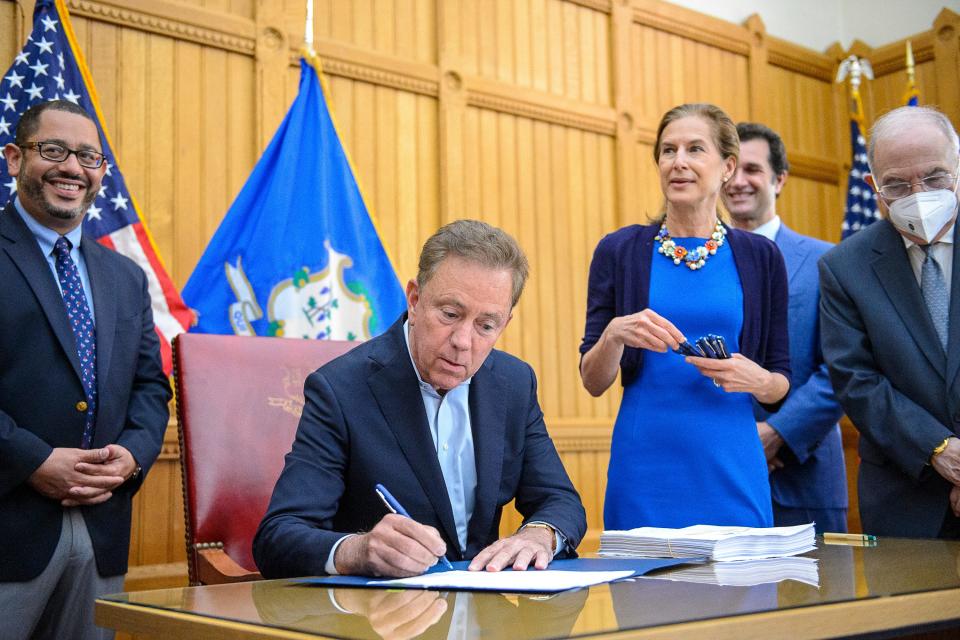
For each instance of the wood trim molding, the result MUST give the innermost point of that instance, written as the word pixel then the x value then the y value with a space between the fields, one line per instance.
pixel 793 57
pixel 577 435
pixel 359 64
pixel 603 6
pixel 892 58
pixel 819 168
pixel 692 25
pixel 528 103
pixel 173 19
pixel 156 576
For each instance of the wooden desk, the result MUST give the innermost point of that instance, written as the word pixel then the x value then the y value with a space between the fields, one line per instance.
pixel 904 586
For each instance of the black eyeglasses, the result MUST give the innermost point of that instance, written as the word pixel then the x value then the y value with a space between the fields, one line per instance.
pixel 56 152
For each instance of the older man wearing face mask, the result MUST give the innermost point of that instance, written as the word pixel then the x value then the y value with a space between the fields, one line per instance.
pixel 888 295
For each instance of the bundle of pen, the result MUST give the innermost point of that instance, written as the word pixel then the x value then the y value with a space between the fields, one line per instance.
pixel 708 346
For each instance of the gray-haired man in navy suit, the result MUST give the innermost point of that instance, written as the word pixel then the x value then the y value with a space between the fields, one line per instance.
pixel 891 337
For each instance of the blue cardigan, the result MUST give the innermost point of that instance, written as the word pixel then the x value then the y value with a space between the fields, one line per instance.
pixel 620 285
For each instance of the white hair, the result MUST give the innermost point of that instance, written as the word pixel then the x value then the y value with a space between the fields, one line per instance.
pixel 905 118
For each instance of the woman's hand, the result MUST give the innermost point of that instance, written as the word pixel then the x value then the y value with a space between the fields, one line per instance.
pixel 741 374
pixel 644 330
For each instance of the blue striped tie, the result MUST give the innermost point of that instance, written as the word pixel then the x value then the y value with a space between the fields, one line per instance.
pixel 81 321
pixel 934 288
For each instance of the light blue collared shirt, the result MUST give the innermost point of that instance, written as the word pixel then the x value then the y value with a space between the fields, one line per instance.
pixel 46 238
pixel 452 433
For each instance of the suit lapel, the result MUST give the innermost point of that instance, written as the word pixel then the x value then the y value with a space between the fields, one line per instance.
pixel 26 255
pixel 893 269
pixel 103 282
pixel 398 395
pixel 794 253
pixel 953 339
pixel 488 419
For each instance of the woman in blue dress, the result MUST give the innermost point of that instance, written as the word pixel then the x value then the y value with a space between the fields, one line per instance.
pixel 685 445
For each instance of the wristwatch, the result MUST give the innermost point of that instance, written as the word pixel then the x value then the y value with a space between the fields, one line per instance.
pixel 135 475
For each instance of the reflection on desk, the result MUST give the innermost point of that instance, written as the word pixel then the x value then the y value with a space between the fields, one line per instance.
pixel 401 614
pixel 854 597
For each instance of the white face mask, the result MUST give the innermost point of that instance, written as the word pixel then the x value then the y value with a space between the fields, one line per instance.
pixel 924 214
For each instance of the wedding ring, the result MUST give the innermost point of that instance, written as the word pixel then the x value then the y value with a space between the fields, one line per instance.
pixel 715 383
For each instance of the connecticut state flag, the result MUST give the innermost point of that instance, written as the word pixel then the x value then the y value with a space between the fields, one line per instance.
pixel 51 67
pixel 298 254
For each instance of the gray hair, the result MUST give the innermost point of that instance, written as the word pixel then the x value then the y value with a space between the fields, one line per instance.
pixel 477 242
pixel 902 119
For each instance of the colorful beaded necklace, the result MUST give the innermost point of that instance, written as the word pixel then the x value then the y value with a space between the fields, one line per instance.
pixel 696 258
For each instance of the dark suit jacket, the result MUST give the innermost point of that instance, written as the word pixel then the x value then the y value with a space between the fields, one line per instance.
pixel 364 423
pixel 892 377
pixel 814 476
pixel 620 285
pixel 40 387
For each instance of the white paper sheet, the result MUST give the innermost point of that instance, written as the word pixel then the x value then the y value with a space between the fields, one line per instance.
pixel 546 581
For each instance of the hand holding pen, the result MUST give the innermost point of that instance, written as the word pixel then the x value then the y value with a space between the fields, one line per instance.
pixel 396 547
pixel 395 507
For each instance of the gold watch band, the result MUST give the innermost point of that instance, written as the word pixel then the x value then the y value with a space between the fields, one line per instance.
pixel 940 448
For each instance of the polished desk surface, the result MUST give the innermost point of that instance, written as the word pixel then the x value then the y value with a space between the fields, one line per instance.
pixel 897 584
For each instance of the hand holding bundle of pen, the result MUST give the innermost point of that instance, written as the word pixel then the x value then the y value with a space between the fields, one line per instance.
pixel 708 346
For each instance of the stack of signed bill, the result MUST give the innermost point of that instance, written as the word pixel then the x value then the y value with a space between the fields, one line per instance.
pixel 708 541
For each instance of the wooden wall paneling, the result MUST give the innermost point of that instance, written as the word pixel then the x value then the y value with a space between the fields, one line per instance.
pixel 11 20
pixel 545 289
pixel 272 94
pixel 240 149
pixel 129 130
pixel 214 107
pixel 947 60
pixel 188 178
pixel 398 28
pixel 757 68
pixel 157 201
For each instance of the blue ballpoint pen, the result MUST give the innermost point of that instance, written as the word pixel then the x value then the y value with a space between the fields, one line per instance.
pixel 397 508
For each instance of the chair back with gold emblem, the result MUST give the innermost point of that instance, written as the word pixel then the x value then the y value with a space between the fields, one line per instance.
pixel 239 400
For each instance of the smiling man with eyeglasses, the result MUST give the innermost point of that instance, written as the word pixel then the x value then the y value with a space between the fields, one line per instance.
pixel 83 396
pixel 891 334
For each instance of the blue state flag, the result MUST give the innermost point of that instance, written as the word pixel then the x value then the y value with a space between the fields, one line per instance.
pixel 298 254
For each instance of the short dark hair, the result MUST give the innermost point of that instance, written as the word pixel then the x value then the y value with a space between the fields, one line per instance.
pixel 30 120
pixel 778 153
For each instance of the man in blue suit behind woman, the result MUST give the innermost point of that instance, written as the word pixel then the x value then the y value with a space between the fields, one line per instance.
pixel 801 439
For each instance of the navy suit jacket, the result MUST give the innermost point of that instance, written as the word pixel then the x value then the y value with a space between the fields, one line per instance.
pixel 892 377
pixel 364 423
pixel 620 286
pixel 814 476
pixel 40 387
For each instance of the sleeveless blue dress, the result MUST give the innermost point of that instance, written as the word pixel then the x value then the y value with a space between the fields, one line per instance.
pixel 685 452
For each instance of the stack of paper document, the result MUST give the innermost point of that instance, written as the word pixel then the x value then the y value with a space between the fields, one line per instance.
pixel 745 573
pixel 710 541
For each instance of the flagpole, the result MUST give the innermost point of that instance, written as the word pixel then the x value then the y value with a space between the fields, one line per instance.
pixel 308 30
pixel 911 77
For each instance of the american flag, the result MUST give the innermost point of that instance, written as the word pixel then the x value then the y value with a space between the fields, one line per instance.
pixel 861 207
pixel 51 67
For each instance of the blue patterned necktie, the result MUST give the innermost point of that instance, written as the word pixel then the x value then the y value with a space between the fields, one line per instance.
pixel 81 321
pixel 934 288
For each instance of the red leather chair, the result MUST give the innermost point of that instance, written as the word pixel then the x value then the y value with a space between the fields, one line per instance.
pixel 239 400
